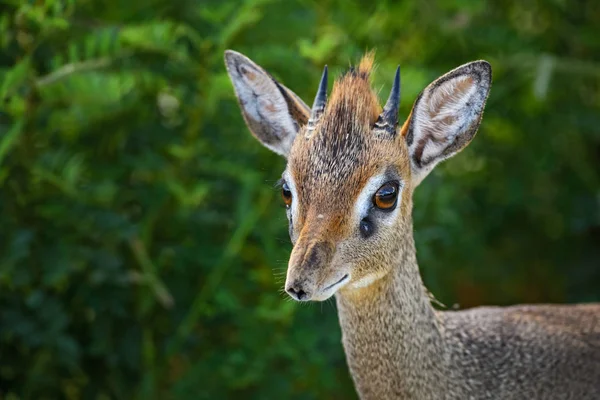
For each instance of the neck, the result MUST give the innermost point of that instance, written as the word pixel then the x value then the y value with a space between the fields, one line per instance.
pixel 391 334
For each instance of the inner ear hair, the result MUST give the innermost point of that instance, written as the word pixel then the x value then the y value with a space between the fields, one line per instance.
pixel 273 113
pixel 446 116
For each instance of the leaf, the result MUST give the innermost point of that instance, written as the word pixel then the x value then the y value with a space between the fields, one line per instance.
pixel 10 137
pixel 13 78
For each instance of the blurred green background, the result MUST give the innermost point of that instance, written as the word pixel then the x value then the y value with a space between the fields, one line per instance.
pixel 142 241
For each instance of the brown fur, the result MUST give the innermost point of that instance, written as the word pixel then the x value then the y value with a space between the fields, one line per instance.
pixel 397 345
pixel 332 166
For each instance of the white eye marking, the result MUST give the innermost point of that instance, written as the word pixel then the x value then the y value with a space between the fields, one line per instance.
pixel 364 201
pixel 293 210
pixel 320 216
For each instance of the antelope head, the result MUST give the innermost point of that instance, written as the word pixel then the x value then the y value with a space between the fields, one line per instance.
pixel 351 169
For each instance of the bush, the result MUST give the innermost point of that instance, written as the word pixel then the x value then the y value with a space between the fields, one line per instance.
pixel 142 243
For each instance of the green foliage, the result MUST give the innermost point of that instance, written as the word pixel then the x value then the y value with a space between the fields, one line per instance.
pixel 142 248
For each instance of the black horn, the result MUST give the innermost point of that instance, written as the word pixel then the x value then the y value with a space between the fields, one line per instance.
pixel 388 119
pixel 319 103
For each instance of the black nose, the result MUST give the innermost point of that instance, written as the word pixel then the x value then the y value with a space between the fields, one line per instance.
pixel 297 293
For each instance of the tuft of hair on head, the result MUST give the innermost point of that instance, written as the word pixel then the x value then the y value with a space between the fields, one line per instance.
pixel 366 63
pixel 352 91
pixel 364 68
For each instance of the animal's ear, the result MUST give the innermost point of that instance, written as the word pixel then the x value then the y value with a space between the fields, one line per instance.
pixel 445 116
pixel 273 113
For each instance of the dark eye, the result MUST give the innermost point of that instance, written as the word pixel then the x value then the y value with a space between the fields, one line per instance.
pixel 286 194
pixel 386 196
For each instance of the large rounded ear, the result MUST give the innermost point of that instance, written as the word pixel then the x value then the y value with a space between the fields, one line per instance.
pixel 445 116
pixel 273 113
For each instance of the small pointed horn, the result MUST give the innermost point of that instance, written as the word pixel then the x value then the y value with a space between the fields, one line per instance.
pixel 388 119
pixel 319 103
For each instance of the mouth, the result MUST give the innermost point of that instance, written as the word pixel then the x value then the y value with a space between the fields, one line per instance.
pixel 297 292
pixel 330 290
pixel 341 281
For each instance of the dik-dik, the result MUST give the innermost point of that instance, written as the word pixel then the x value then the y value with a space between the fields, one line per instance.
pixel 348 185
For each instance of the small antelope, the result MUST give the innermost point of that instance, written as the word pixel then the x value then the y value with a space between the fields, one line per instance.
pixel 351 172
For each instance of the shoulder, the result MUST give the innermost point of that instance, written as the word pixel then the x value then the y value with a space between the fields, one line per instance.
pixel 573 326
pixel 557 347
pixel 545 319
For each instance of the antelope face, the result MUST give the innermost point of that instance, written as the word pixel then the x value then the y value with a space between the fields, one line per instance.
pixel 349 204
pixel 350 174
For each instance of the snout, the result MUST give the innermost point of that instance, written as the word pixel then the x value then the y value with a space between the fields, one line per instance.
pixel 311 275
pixel 297 292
